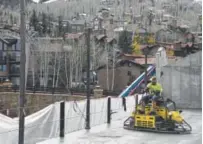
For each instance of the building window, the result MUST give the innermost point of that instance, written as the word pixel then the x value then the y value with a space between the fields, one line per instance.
pixel 18 45
pixel 1 55
pixel 129 73
pixel 1 46
pixel 4 47
pixel 129 64
pixel 3 68
pixel 13 47
pixel 15 68
pixel 15 81
pixel 78 29
pixel 74 28
pixel 2 79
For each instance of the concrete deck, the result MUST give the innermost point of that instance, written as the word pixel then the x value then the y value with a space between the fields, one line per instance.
pixel 115 134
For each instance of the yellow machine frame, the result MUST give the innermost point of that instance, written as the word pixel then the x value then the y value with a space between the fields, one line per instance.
pixel 165 120
pixel 144 121
pixel 148 121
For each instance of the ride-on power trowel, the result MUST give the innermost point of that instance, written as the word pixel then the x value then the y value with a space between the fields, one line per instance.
pixel 165 120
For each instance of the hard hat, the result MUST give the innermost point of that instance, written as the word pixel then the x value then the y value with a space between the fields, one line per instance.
pixel 153 78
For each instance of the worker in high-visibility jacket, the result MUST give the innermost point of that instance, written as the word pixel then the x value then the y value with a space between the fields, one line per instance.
pixel 154 89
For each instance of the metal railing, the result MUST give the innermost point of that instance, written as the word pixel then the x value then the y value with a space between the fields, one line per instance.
pixel 56 90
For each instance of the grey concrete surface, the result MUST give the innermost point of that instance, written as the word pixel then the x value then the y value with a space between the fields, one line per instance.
pixel 182 81
pixel 191 60
pixel 183 85
pixel 115 134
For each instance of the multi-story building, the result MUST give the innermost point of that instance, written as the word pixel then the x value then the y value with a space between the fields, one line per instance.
pixel 10 59
pixel 75 25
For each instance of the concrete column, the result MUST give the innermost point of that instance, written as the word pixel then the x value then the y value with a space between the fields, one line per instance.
pixel 98 92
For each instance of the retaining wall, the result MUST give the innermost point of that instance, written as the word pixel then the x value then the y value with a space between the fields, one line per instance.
pixel 182 81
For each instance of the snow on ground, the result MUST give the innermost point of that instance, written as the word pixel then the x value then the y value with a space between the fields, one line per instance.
pixel 37 1
pixel 115 134
pixel 49 1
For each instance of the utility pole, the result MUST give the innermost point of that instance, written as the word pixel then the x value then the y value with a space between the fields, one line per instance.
pixel 145 70
pixel 146 51
pixel 87 33
pixel 22 73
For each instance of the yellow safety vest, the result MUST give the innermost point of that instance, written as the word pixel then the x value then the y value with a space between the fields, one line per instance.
pixel 156 87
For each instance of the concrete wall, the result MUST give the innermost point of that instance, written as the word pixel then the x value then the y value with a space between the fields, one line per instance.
pixel 191 60
pixel 182 81
pixel 183 85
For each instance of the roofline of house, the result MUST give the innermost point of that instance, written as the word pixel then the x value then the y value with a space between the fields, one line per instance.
pixel 134 63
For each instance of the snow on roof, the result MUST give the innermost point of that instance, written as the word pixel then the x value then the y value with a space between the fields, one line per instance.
pixel 99 37
pixel 184 26
pixel 73 35
pixel 168 15
pixel 50 1
pixel 118 29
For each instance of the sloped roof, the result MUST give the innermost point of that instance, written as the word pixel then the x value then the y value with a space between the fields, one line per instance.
pixel 99 37
pixel 73 35
pixel 3 40
pixel 111 39
pixel 76 22
pixel 119 64
pixel 8 41
pixel 141 61
pixel 133 55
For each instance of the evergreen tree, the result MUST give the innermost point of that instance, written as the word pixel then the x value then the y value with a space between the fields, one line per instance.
pixel 44 23
pixel 125 42
pixel 60 26
pixel 14 20
pixel 49 24
pixel 11 19
pixel 34 20
pixel 68 29
pixel 1 12
pixel 150 17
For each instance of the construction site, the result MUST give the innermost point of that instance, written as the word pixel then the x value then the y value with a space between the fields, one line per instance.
pixel 101 72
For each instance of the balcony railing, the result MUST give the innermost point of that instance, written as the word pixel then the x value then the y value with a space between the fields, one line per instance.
pixel 14 59
pixel 11 59
pixel 2 59
pixel 14 72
